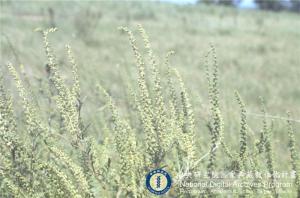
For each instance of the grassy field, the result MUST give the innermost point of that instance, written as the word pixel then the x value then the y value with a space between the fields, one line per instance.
pixel 257 53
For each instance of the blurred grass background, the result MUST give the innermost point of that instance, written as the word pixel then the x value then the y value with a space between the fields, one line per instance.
pixel 258 55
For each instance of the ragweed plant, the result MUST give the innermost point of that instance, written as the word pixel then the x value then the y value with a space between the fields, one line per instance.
pixel 144 106
pixel 243 133
pixel 216 125
pixel 66 99
pixel 294 154
pixel 126 146
pixel 269 150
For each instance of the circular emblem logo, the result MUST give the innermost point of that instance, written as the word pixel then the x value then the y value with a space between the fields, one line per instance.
pixel 158 182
